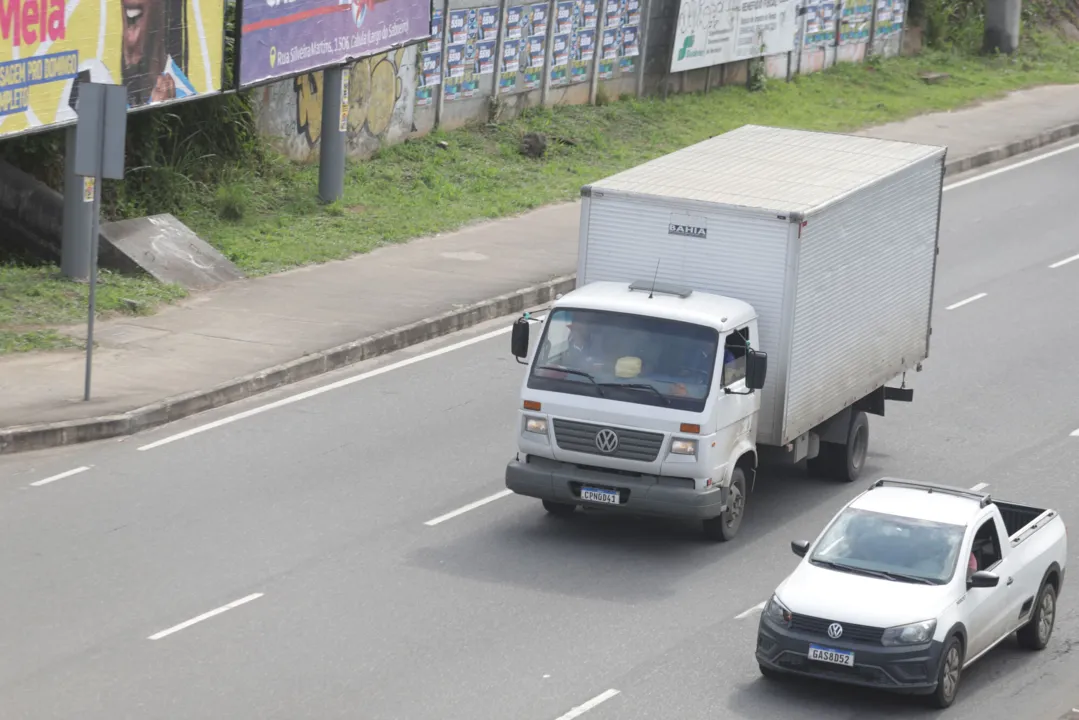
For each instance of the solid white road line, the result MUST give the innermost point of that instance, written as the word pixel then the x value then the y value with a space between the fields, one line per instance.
pixel 1065 261
pixel 61 476
pixel 582 709
pixel 755 609
pixel 205 616
pixel 1016 166
pixel 332 386
pixel 961 303
pixel 979 487
pixel 466 508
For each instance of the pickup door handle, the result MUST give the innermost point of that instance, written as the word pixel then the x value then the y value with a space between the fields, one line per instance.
pixel 1010 581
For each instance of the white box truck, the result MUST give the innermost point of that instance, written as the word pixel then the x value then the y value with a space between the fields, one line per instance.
pixel 753 292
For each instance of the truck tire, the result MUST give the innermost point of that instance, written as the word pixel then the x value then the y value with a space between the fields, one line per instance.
pixel 949 674
pixel 843 462
pixel 559 509
pixel 725 526
pixel 1036 633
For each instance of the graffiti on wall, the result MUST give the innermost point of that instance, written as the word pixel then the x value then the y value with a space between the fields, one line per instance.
pixel 376 89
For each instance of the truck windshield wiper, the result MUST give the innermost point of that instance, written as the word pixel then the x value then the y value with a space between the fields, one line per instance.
pixel 882 574
pixel 907 578
pixel 638 386
pixel 571 371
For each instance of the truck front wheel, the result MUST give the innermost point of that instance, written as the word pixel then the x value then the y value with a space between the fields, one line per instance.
pixel 725 526
pixel 844 462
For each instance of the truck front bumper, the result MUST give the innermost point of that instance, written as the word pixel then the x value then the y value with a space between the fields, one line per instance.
pixel 646 495
pixel 909 670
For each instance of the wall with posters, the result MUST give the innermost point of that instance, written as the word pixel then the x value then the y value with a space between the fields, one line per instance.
pixel 381 106
pixel 172 50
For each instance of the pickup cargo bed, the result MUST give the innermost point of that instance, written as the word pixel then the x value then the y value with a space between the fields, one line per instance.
pixel 1016 516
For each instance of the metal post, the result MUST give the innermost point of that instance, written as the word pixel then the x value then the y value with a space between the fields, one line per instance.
pixel 545 87
pixel 597 53
pixel 642 43
pixel 74 253
pixel 92 262
pixel 499 45
pixel 440 101
pixel 331 159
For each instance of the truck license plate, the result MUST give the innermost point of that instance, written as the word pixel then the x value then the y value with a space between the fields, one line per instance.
pixel 831 655
pixel 606 497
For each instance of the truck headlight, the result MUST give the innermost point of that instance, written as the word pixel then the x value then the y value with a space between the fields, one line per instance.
pixel 683 446
pixel 917 633
pixel 777 612
pixel 536 425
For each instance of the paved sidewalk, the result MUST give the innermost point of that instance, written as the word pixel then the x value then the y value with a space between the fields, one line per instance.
pixel 293 318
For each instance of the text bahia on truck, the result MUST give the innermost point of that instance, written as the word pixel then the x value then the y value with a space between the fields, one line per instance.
pixel 755 292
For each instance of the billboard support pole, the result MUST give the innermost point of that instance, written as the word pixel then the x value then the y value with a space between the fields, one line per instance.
pixel 74 248
pixel 331 160
pixel 99 153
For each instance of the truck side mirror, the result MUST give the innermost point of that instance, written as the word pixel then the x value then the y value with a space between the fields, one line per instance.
pixel 519 338
pixel 983 579
pixel 756 368
pixel 800 547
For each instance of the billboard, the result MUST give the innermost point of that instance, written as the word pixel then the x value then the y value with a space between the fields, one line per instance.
pixel 160 49
pixel 279 38
pixel 714 32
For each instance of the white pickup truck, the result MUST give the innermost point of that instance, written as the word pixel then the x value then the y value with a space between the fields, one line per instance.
pixel 909 584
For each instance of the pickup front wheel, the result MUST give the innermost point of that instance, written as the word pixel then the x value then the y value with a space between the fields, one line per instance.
pixel 951 668
pixel 1036 633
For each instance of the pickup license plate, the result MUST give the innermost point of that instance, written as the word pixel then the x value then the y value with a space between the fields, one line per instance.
pixel 604 497
pixel 831 655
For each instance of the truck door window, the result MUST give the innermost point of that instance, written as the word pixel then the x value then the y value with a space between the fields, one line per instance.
pixel 734 356
pixel 986 545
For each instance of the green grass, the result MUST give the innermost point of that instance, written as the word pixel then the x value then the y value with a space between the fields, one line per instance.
pixel 418 188
pixel 34 298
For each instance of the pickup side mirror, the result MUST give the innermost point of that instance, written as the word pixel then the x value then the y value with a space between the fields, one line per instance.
pixel 983 579
pixel 800 547
pixel 756 368
pixel 519 338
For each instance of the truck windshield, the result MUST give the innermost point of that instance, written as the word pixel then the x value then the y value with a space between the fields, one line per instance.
pixel 890 546
pixel 632 358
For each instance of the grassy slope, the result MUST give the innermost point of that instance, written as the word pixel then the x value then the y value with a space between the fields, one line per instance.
pixel 418 188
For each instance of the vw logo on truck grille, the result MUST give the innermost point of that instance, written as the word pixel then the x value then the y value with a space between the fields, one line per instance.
pixel 835 630
pixel 606 441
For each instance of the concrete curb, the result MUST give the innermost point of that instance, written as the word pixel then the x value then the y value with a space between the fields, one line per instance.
pixel 46 435
pixel 23 438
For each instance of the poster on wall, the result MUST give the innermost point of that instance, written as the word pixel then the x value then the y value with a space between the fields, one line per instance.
pixel 708 33
pixel 171 50
pixel 511 64
pixel 854 22
pixel 278 39
pixel 430 75
pixel 889 18
pixel 475 30
pixel 819 25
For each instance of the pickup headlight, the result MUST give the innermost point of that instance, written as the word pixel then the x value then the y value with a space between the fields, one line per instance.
pixel 917 633
pixel 536 425
pixel 683 446
pixel 777 612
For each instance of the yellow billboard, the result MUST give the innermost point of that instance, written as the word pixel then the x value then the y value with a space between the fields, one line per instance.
pixel 160 49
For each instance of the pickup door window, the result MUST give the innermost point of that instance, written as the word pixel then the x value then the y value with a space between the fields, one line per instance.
pixel 986 608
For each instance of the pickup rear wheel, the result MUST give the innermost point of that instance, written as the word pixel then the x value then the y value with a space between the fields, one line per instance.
pixel 1036 633
pixel 951 669
pixel 725 526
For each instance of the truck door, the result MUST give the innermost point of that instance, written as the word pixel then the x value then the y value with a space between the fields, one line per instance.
pixel 986 608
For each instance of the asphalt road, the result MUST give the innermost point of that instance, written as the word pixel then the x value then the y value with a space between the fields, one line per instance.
pixel 312 517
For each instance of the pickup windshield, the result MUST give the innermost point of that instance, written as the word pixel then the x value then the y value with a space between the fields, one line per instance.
pixel 896 548
pixel 631 358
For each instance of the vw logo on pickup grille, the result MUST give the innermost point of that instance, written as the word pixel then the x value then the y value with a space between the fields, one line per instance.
pixel 835 630
pixel 606 441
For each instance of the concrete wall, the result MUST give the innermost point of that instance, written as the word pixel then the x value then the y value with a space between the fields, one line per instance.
pixel 391 103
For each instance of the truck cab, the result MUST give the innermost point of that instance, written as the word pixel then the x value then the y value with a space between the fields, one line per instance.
pixel 641 397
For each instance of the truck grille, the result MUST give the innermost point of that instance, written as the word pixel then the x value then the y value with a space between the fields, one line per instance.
pixel 632 444
pixel 851 632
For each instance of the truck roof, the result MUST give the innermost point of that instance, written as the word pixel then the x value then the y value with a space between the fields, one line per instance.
pixel 716 311
pixel 766 168
pixel 920 504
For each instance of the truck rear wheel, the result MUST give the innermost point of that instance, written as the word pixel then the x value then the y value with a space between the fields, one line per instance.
pixel 725 526
pixel 844 462
pixel 1036 633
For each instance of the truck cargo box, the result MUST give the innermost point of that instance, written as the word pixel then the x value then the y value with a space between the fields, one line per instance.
pixel 832 238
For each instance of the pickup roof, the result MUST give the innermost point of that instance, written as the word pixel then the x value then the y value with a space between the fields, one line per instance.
pixel 909 584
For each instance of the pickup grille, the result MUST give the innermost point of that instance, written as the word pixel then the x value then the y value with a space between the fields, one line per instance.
pixel 851 632
pixel 632 444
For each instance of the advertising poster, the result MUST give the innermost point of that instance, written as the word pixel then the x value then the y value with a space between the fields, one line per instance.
pixel 458 26
pixel 610 44
pixel 514 22
pixel 430 63
pixel 633 12
pixel 485 57
pixel 614 13
pixel 166 50
pixel 511 64
pixel 524 49
pixel 707 33
pixel 434 44
pixel 854 22
pixel 820 24
pixel 455 61
pixel 589 14
pixel 630 41
pixel 537 52
pixel 564 17
pixel 489 23
pixel 538 15
pixel 560 59
pixel 889 18
pixel 278 39
pixel 470 33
